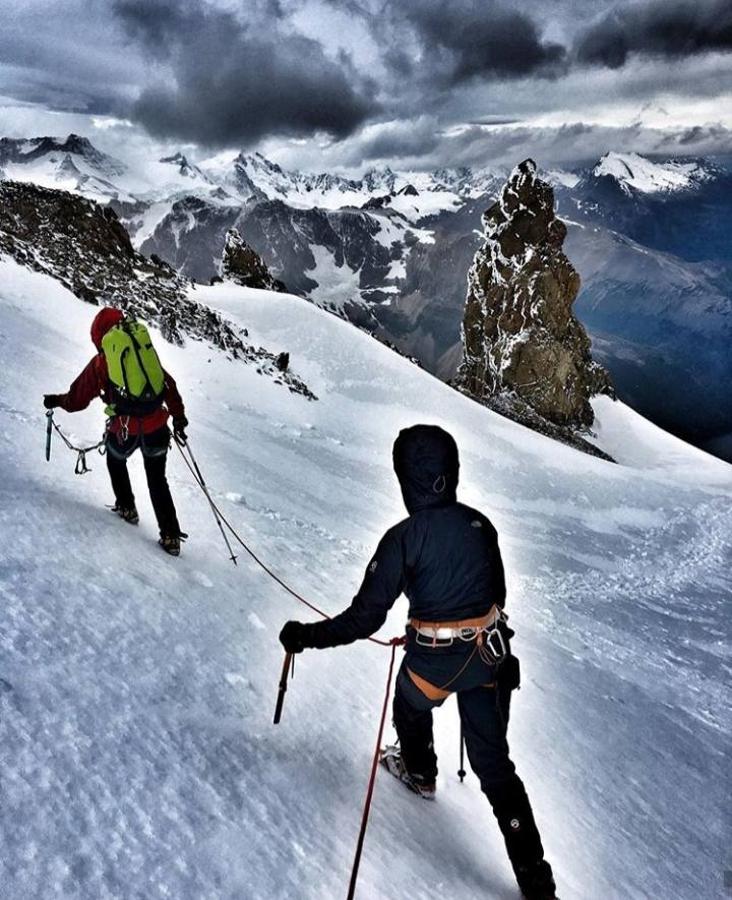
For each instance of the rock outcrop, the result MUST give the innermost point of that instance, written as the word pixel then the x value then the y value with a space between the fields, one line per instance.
pixel 243 265
pixel 85 247
pixel 522 344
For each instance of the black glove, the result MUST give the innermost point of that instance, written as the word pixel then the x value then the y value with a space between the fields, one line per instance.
pixel 294 636
pixel 50 401
pixel 180 423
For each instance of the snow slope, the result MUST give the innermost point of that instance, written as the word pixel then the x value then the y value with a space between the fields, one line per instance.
pixel 634 171
pixel 136 692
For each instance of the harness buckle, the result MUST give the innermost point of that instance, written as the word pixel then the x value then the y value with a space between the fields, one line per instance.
pixel 427 640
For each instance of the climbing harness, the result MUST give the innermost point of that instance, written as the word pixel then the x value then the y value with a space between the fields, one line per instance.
pixel 81 467
pixel 443 634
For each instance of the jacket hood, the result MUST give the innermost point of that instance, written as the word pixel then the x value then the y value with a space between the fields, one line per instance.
pixel 104 320
pixel 426 463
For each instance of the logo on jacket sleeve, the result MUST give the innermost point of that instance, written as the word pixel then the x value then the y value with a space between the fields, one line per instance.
pixel 373 566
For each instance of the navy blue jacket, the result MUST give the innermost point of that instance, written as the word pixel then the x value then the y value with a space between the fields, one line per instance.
pixel 444 557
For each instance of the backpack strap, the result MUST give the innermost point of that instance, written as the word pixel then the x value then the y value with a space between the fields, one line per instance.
pixel 124 371
pixel 136 348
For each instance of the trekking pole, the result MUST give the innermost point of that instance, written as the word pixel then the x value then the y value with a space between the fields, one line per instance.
pixel 288 669
pixel 461 771
pixel 49 432
pixel 204 487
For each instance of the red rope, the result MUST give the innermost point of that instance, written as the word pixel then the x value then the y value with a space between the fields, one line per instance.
pixel 394 643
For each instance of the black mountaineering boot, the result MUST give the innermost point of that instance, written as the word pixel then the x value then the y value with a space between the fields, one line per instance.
pixel 128 513
pixel 537 883
pixel 391 760
pixel 170 543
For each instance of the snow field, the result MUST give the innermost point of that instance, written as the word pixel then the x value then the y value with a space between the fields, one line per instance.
pixel 647 176
pixel 138 755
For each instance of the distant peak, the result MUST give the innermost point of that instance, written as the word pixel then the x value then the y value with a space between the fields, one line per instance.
pixel 178 158
pixel 79 142
pixel 72 143
pixel 644 175
pixel 257 161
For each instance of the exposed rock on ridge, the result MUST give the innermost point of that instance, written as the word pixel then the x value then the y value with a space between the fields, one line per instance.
pixel 85 247
pixel 242 264
pixel 522 344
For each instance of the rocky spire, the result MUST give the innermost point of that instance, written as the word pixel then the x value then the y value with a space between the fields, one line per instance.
pixel 521 340
pixel 242 264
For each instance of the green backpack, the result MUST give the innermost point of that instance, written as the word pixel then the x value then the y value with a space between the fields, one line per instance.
pixel 135 374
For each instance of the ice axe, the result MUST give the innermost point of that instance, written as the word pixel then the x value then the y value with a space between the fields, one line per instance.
pixel 461 771
pixel 49 432
pixel 288 669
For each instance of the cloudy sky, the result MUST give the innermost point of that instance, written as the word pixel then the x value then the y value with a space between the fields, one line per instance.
pixel 347 84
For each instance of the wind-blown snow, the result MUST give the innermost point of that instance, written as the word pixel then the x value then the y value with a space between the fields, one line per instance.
pixel 136 692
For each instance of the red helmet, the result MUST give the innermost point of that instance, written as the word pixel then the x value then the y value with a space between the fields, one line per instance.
pixel 105 319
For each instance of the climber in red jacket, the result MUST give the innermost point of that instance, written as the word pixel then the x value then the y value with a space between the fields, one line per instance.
pixel 125 433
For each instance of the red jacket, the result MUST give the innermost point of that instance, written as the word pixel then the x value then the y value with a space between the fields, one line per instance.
pixel 94 382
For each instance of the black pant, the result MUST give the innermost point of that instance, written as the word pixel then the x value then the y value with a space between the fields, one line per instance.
pixel 483 695
pixel 154 448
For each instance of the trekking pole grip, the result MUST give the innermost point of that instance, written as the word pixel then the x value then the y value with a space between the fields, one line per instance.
pixel 289 661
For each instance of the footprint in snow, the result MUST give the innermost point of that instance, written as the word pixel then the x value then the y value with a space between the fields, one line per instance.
pixel 256 621
pixel 203 579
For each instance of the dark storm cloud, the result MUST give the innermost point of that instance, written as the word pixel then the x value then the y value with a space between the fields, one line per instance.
pixel 716 136
pixel 397 140
pixel 417 72
pixel 482 40
pixel 64 57
pixel 661 28
pixel 563 146
pixel 225 81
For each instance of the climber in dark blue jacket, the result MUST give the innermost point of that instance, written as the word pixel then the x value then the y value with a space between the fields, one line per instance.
pixel 445 558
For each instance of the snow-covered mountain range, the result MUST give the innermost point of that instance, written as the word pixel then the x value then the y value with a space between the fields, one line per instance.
pixel 390 251
pixel 137 691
